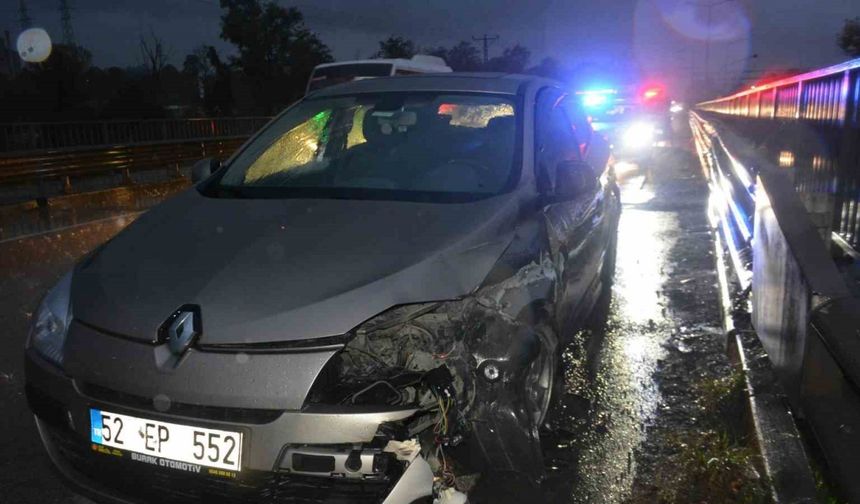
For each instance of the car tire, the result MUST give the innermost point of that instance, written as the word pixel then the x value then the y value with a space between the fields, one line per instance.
pixel 607 274
pixel 540 378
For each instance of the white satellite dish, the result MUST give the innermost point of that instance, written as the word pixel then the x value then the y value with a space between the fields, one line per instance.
pixel 34 45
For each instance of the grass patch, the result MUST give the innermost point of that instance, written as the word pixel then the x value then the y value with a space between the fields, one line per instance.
pixel 712 468
pixel 825 493
pixel 715 462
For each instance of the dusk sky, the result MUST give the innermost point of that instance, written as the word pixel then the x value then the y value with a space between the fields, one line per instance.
pixel 663 38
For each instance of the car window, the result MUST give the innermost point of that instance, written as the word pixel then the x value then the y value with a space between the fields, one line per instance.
pixel 394 142
pixel 555 139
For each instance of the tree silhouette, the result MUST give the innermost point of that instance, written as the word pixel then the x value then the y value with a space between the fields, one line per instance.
pixel 395 47
pixel 549 67
pixel 154 54
pixel 197 64
pixel 513 60
pixel 463 57
pixel 277 52
pixel 849 37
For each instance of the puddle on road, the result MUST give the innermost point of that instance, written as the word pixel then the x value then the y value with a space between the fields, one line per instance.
pixel 609 392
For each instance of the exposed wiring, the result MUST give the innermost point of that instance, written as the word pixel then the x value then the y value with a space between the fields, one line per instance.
pixel 443 356
pixel 374 384
pixel 377 360
pixel 448 476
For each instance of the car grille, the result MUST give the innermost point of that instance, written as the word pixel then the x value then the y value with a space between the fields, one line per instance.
pixel 152 484
pixel 213 413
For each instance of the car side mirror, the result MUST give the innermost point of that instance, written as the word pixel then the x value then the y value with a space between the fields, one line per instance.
pixel 201 170
pixel 573 179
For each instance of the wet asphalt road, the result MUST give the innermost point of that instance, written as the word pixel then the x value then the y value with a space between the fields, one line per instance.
pixel 626 378
pixel 629 377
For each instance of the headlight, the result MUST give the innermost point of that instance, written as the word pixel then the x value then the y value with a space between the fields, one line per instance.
pixel 51 321
pixel 639 135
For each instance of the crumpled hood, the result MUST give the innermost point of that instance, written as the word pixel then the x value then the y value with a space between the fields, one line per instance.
pixel 269 270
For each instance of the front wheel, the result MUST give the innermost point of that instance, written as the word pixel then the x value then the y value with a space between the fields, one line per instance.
pixel 607 274
pixel 540 378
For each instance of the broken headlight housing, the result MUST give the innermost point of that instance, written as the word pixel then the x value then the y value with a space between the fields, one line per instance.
pixel 461 366
pixel 387 357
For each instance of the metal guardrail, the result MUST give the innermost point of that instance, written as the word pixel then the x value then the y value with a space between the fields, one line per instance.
pixel 121 158
pixel 809 125
pixel 17 137
pixel 802 309
pixel 52 173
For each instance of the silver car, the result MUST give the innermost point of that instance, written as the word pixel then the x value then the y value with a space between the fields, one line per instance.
pixel 364 304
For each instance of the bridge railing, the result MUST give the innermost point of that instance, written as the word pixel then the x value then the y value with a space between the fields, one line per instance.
pixel 809 125
pixel 783 162
pixel 20 137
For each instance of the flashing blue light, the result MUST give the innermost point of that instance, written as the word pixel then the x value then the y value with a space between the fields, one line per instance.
pixel 594 100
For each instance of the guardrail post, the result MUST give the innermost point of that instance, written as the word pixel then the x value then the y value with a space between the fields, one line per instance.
pixel 798 110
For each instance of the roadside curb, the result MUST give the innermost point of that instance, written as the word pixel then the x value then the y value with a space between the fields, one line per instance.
pixel 784 458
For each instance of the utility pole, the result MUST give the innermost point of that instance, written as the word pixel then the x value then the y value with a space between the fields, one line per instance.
pixel 66 21
pixel 23 16
pixel 486 39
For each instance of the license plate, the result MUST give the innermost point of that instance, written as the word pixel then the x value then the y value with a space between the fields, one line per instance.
pixel 165 440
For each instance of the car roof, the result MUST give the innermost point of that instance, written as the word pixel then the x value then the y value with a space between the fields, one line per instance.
pixel 499 83
pixel 419 63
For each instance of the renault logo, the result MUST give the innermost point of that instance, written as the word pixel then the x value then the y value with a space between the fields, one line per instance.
pixel 181 329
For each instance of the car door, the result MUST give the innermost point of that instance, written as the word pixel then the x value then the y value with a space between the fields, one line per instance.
pixel 575 225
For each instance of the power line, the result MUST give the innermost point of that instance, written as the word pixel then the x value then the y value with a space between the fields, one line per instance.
pixel 486 39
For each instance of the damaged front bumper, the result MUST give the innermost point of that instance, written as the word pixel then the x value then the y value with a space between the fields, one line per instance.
pixel 333 419
pixel 281 457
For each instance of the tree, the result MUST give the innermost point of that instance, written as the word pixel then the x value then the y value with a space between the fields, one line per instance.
pixel 849 37
pixel 277 52
pixel 218 98
pixel 199 67
pixel 549 67
pixel 54 89
pixel 395 47
pixel 197 64
pixel 513 60
pixel 154 53
pixel 463 57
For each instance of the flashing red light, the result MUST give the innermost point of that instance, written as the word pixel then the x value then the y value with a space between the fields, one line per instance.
pixel 651 93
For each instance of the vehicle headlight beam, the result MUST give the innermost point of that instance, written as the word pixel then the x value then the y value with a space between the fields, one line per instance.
pixel 639 135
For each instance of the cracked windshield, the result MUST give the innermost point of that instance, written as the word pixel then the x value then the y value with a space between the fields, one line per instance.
pixel 362 251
